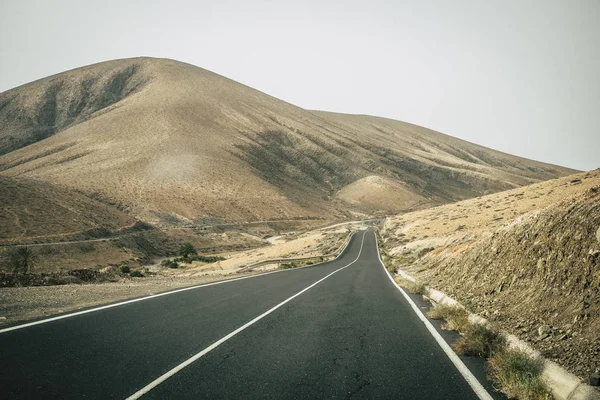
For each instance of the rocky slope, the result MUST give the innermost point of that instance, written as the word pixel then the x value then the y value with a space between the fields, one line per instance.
pixel 535 271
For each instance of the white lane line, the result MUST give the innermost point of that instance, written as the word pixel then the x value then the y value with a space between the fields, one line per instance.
pixel 122 303
pixel 184 364
pixel 462 368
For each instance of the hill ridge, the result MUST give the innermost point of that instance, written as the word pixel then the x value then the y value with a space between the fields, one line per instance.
pixel 175 143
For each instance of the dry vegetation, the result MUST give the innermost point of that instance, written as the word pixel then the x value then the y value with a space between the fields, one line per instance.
pixel 519 375
pixel 514 372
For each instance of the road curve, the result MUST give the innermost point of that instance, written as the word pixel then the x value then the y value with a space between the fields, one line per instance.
pixel 335 330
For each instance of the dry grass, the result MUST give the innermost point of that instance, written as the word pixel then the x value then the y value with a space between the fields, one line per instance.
pixel 514 372
pixel 412 287
pixel 481 341
pixel 518 375
pixel 457 318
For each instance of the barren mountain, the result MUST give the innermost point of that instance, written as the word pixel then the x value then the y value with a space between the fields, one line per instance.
pixel 170 142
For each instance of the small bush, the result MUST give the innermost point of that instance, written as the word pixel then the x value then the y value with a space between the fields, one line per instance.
pixel 481 341
pixel 518 375
pixel 136 274
pixel 186 250
pixel 86 275
pixel 204 259
pixel 22 259
pixel 207 259
pixel 457 319
pixel 125 269
pixel 412 287
pixel 169 264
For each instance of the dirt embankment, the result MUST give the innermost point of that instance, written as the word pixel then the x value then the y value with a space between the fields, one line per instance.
pixel 536 274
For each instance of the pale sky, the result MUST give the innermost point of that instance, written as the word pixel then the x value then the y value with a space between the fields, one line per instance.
pixel 521 76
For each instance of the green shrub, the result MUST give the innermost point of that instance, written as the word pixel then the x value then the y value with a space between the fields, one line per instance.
pixel 518 375
pixel 136 274
pixel 22 259
pixel 169 264
pixel 186 250
pixel 205 259
pixel 481 341
pixel 125 269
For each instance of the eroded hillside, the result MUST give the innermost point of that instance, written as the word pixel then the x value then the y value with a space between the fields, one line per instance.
pixel 527 258
pixel 43 108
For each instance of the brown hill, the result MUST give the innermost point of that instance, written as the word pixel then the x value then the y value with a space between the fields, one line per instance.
pixel 170 142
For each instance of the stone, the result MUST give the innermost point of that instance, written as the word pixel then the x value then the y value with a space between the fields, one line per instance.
pixel 598 235
pixel 544 330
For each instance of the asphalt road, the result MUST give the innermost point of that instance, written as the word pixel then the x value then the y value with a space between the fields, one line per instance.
pixel 349 334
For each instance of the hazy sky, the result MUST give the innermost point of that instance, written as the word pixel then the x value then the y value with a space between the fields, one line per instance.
pixel 519 76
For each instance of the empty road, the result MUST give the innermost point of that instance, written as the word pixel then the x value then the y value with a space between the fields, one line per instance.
pixel 338 330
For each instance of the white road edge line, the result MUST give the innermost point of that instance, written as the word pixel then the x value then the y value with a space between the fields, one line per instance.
pixel 122 303
pixel 184 364
pixel 460 366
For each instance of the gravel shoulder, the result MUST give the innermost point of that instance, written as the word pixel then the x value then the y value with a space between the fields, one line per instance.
pixel 20 304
